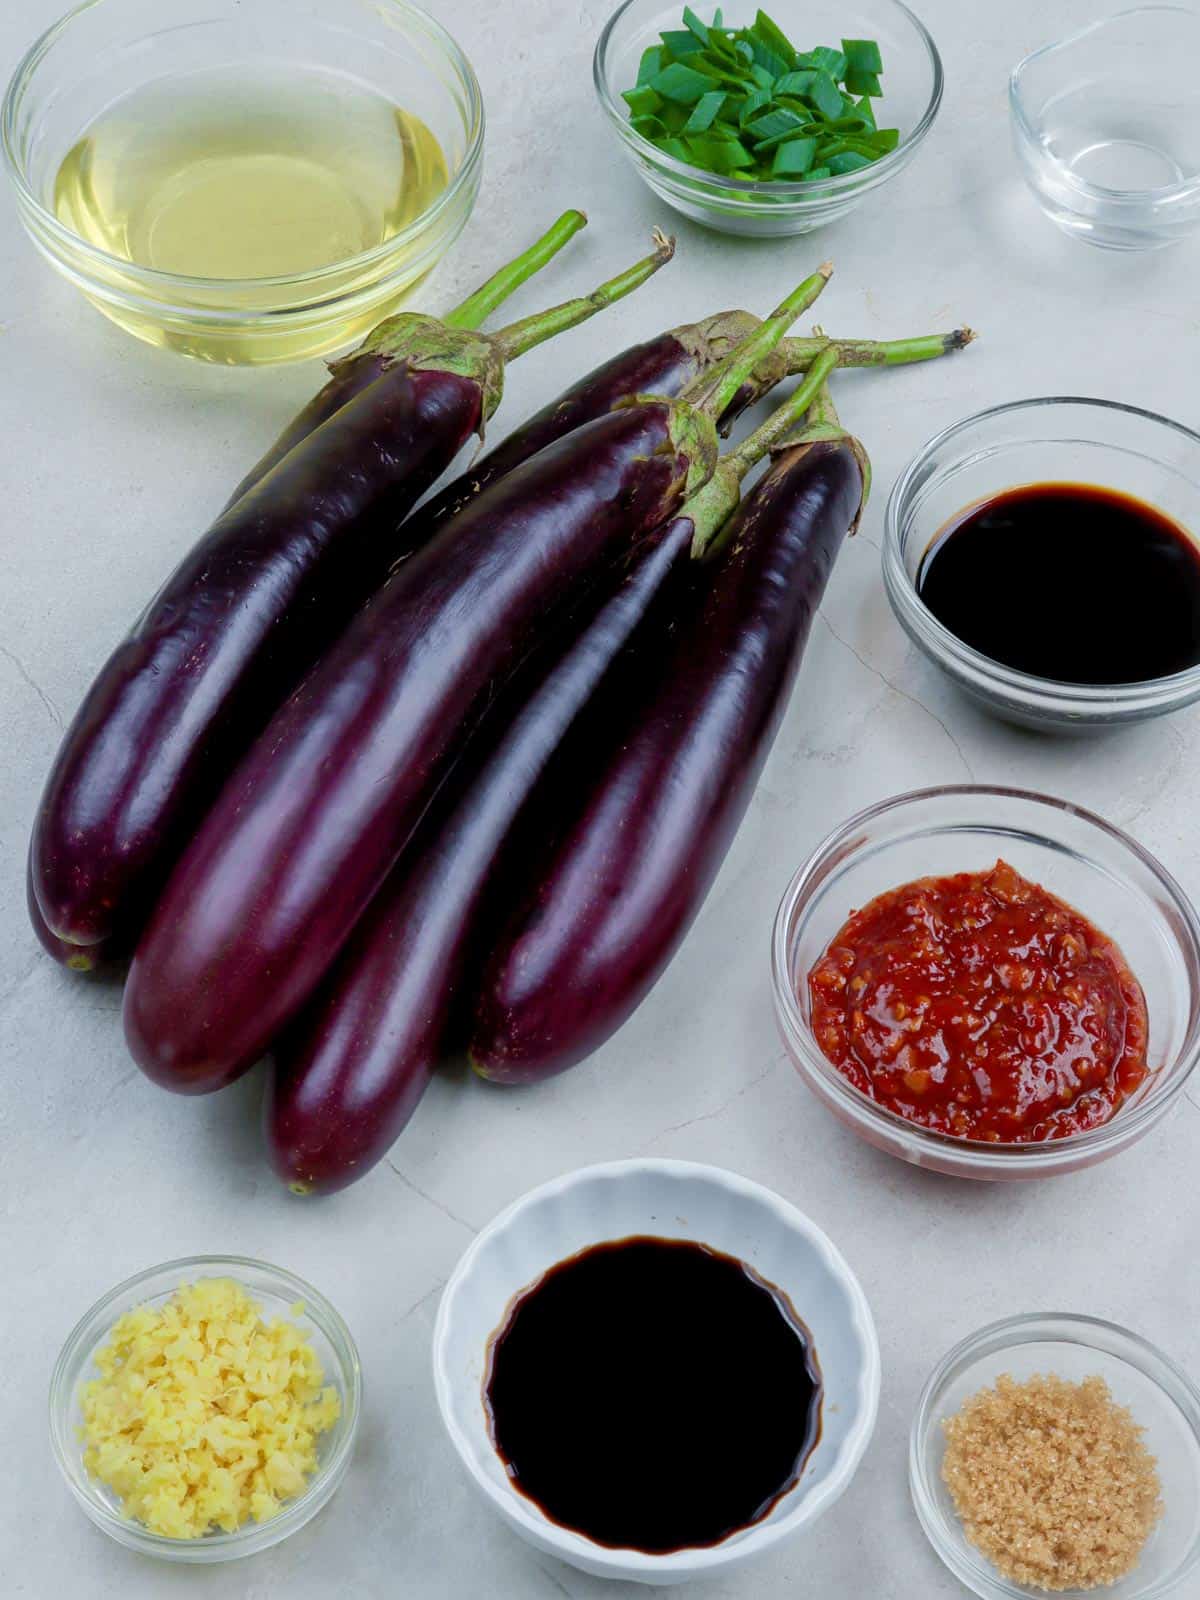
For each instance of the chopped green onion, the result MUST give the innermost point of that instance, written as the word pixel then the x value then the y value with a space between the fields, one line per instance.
pixel 863 82
pixel 793 159
pixel 642 102
pixel 744 102
pixel 680 83
pixel 692 22
pixel 825 96
pixel 752 104
pixel 682 43
pixel 862 55
pixel 848 162
pixel 704 114
pixel 773 123
pixel 773 36
pixel 799 83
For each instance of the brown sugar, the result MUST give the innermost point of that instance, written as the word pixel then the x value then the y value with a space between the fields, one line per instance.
pixel 1052 1481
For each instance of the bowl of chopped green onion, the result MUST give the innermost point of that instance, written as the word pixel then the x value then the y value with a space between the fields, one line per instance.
pixel 768 124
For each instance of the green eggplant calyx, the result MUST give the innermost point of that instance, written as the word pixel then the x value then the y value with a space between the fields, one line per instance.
pixel 693 436
pixel 426 344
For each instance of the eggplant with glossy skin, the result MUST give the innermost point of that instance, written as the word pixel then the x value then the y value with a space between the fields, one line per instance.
pixel 249 610
pixel 379 350
pixel 665 365
pixel 347 1076
pixel 311 822
pixel 657 777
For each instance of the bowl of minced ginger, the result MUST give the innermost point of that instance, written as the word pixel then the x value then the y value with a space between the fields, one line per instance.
pixel 207 1408
pixel 1060 1455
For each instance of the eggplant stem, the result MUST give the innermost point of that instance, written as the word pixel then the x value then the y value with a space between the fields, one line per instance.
pixel 876 352
pixel 805 397
pixel 823 411
pixel 480 305
pixel 712 506
pixel 823 424
pixel 714 390
pixel 521 336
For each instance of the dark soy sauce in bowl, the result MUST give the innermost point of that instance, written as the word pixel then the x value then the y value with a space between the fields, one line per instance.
pixel 653 1394
pixel 1070 582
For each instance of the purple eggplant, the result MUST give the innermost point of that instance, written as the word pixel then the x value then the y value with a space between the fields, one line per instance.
pixel 79 958
pixel 264 593
pixel 657 775
pixel 664 366
pixel 357 371
pixel 309 825
pixel 348 1074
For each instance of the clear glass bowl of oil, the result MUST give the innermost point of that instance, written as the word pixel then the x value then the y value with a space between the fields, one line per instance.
pixel 245 181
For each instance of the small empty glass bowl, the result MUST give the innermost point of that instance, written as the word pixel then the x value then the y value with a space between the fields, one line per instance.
pixel 278 1293
pixel 1052 440
pixel 912 85
pixel 1106 125
pixel 1162 1398
pixel 1078 856
pixel 109 49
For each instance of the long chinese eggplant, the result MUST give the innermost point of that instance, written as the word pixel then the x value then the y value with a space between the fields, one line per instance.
pixel 665 365
pixel 254 604
pixel 309 825
pixel 349 1073
pixel 658 774
pixel 379 350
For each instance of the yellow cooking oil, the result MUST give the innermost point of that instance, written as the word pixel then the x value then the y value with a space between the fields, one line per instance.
pixel 236 178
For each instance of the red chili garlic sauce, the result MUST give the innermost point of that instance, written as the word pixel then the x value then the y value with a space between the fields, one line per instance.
pixel 1068 581
pixel 653 1394
pixel 981 1005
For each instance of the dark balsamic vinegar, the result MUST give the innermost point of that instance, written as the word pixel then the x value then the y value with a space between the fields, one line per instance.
pixel 653 1394
pixel 1068 581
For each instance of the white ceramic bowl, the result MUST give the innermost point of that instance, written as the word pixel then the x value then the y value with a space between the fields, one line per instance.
pixel 677 1200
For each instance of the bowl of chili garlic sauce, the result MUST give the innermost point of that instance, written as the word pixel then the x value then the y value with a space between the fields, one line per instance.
pixel 655 1370
pixel 1045 556
pixel 989 983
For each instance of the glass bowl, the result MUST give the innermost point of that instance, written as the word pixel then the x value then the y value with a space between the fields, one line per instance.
pixel 107 49
pixel 1106 126
pixel 1162 1398
pixel 277 1292
pixel 912 80
pixel 1095 867
pixel 677 1200
pixel 1057 439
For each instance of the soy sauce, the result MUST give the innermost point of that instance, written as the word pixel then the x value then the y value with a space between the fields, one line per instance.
pixel 653 1394
pixel 1068 581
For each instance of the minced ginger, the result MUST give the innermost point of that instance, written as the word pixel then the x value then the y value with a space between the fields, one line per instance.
pixel 1052 1481
pixel 205 1415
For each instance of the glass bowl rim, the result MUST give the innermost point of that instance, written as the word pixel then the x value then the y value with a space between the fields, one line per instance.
pixel 1048 1155
pixel 23 74
pixel 1182 188
pixel 839 184
pixel 296 1512
pixel 1043 1327
pixel 947 646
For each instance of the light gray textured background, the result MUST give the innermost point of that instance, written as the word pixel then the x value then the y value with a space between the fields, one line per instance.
pixel 113 457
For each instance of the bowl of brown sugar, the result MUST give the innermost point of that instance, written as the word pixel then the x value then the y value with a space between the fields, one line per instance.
pixel 1058 1454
